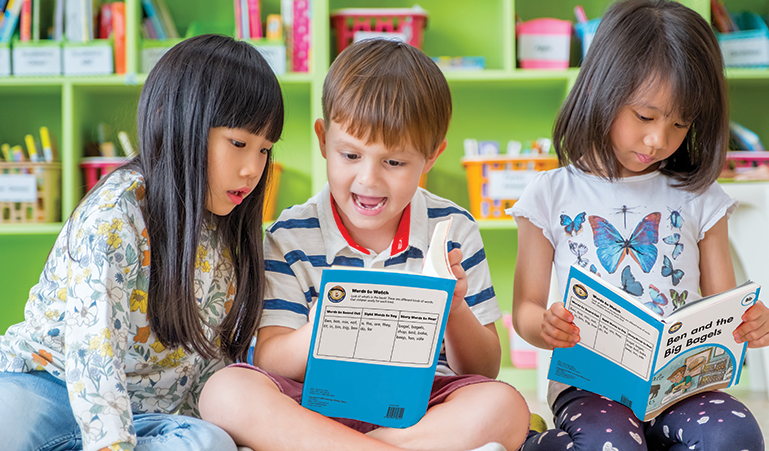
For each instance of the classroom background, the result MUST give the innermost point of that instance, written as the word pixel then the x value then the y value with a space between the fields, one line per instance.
pixel 71 73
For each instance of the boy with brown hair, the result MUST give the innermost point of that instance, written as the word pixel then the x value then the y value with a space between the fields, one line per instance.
pixel 386 111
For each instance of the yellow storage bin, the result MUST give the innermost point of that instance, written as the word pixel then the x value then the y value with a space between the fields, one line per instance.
pixel 494 183
pixel 30 192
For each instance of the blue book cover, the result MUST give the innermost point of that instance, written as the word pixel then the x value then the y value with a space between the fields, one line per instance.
pixel 376 340
pixel 630 354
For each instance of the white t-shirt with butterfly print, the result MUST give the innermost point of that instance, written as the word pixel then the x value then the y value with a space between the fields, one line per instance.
pixel 639 233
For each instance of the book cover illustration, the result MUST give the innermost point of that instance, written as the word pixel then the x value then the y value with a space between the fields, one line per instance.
pixel 630 354
pixel 376 340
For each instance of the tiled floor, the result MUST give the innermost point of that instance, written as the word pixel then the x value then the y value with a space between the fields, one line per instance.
pixel 525 382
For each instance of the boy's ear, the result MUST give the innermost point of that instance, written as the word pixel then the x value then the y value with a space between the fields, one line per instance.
pixel 431 161
pixel 320 131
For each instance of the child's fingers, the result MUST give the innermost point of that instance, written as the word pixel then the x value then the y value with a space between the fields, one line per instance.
pixel 558 330
pixel 754 327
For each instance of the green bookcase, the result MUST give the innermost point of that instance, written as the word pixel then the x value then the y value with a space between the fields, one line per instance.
pixel 500 103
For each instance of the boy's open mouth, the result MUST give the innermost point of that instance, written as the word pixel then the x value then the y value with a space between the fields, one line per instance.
pixel 369 203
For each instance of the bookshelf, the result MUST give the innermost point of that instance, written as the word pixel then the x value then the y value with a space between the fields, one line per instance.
pixel 500 103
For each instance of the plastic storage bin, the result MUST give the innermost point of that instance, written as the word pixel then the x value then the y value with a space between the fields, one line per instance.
pixel 544 43
pixel 743 160
pixel 94 168
pixel 495 183
pixel 404 24
pixel 748 47
pixel 30 192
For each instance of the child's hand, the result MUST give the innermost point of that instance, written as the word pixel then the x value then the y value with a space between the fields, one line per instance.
pixel 460 290
pixel 755 326
pixel 558 329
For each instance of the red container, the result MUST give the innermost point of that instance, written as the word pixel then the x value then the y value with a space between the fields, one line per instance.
pixel 406 24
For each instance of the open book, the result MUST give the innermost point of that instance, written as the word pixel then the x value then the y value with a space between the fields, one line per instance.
pixel 630 354
pixel 376 339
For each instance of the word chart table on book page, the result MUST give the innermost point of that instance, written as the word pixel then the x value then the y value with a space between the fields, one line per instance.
pixel 398 329
pixel 615 333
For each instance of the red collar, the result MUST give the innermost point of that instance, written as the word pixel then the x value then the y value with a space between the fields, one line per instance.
pixel 400 242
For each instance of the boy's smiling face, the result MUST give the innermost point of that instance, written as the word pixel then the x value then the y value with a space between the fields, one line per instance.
pixel 371 184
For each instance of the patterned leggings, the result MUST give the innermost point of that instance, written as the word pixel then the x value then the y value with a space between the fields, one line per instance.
pixel 585 421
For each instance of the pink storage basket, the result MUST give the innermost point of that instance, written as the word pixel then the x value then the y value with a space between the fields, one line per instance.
pixel 406 22
pixel 544 43
pixel 94 168
pixel 741 160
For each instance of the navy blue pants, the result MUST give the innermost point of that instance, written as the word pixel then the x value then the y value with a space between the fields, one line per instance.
pixel 710 421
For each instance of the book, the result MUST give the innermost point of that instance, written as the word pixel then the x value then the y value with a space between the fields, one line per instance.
pixel 376 339
pixel 152 14
pixel 10 19
pixel 254 19
pixel 165 18
pixel 119 32
pixel 630 354
pixel 25 28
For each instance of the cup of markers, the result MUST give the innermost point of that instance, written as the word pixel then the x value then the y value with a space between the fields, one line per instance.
pixel 30 182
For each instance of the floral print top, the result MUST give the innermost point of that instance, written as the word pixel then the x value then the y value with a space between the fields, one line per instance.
pixel 86 319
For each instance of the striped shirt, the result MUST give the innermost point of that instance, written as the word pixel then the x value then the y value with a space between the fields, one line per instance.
pixel 307 238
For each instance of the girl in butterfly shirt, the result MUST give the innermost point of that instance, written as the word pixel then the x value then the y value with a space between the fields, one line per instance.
pixel 641 139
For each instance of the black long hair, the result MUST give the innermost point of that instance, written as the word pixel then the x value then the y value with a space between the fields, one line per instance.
pixel 638 45
pixel 203 82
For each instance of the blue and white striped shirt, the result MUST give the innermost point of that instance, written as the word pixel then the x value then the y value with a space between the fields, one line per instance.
pixel 306 239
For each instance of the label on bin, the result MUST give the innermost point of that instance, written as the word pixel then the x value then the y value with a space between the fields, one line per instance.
pixel 18 188
pixel 745 51
pixel 509 184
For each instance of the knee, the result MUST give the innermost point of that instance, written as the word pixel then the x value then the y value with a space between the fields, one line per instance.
pixel 505 412
pixel 219 392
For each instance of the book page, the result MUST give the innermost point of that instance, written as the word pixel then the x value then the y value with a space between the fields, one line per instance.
pixel 611 330
pixel 375 323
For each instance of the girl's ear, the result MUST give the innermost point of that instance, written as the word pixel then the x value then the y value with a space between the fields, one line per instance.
pixel 320 131
pixel 431 161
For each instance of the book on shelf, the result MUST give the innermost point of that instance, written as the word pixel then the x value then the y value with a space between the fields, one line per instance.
pixel 10 20
pixel 119 33
pixel 161 8
pixel 154 17
pixel 632 355
pixel 376 339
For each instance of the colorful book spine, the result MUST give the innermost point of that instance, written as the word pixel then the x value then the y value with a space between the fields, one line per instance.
pixel 10 19
pixel 301 36
pixel 119 32
pixel 254 19
pixel 36 35
pixel 105 21
pixel 25 29
pixel 165 18
pixel 244 22
pixel 238 20
pixel 152 13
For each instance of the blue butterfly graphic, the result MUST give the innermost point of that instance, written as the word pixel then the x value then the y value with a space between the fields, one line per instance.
pixel 667 270
pixel 678 299
pixel 611 246
pixel 579 250
pixel 675 241
pixel 594 270
pixel 573 227
pixel 658 300
pixel 629 284
pixel 676 220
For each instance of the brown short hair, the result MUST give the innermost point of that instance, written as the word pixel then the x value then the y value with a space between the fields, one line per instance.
pixel 389 92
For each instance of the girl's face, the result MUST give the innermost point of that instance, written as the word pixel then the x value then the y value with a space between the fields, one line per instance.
pixel 236 161
pixel 647 131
